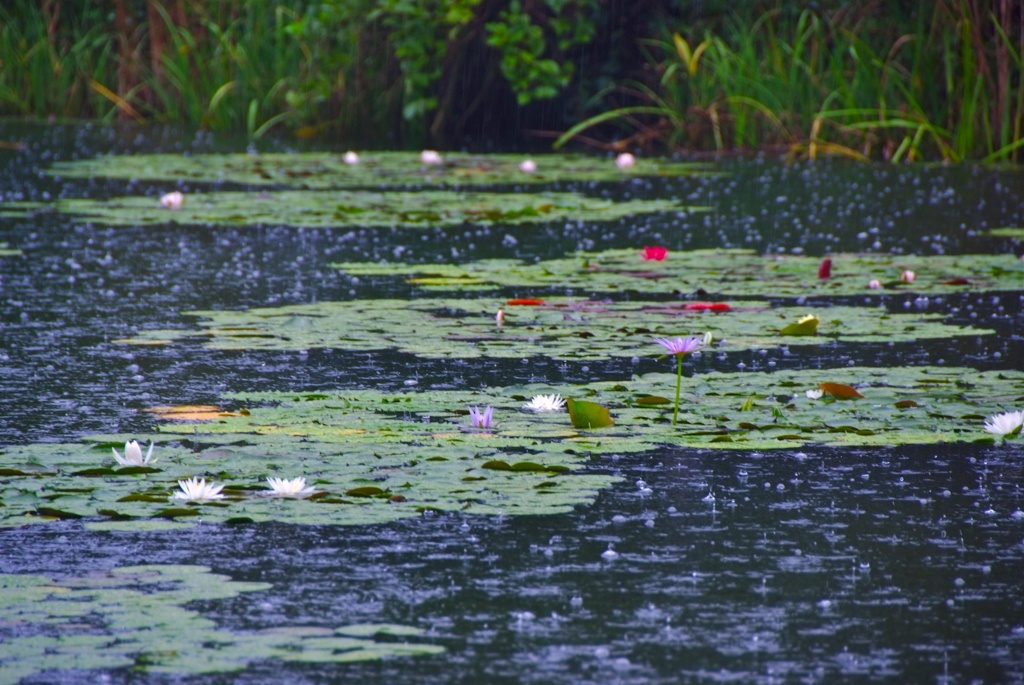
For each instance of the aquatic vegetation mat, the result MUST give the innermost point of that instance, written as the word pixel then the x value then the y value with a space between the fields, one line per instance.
pixel 723 272
pixel 373 457
pixel 358 208
pixel 134 617
pixel 375 169
pixel 559 327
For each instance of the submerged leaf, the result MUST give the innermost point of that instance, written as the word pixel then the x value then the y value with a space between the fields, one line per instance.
pixel 367 491
pixel 651 400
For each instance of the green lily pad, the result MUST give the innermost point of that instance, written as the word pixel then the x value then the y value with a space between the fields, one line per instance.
pixel 133 617
pixel 376 169
pixel 562 328
pixel 723 273
pixel 7 251
pixel 1016 232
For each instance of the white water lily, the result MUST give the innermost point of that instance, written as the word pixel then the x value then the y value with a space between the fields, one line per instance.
pixel 874 284
pixel 625 160
pixel 350 158
pixel 133 454
pixel 542 403
pixel 430 157
pixel 198 490
pixel 172 200
pixel 908 276
pixel 1007 423
pixel 527 166
pixel 294 489
pixel 814 394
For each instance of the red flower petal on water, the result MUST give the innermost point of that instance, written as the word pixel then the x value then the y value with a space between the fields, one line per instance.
pixel 524 301
pixel 825 269
pixel 655 254
pixel 708 306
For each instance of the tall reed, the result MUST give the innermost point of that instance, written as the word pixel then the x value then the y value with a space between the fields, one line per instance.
pixel 946 86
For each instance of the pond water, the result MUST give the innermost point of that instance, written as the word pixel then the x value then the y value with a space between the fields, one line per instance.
pixel 819 563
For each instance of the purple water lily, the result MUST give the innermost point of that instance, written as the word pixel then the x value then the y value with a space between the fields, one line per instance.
pixel 680 347
pixel 481 419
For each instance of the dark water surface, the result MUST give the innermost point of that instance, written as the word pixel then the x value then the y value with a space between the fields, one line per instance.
pixel 826 565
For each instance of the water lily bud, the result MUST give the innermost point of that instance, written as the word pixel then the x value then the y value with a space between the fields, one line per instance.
pixel 825 269
pixel 499 318
pixel 172 200
pixel 527 166
pixel 430 157
pixel 875 284
pixel 351 158
pixel 625 160
pixel 908 276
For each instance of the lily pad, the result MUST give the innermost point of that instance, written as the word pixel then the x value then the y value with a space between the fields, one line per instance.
pixel 724 272
pixel 377 169
pixel 314 209
pixel 133 617
pixel 562 328
pixel 7 251
pixel 375 464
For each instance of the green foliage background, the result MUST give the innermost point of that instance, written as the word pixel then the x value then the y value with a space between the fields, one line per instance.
pixel 913 79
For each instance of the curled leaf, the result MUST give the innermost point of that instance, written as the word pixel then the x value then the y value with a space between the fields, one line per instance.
pixel 843 392
pixel 496 465
pixel 588 414
pixel 808 325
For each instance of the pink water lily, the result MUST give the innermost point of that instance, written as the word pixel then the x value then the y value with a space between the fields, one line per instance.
pixel 625 160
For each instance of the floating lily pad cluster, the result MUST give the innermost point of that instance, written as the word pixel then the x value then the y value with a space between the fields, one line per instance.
pixel 321 190
pixel 133 617
pixel 563 328
pixel 374 170
pixel 372 458
pixel 377 457
pixel 723 272
pixel 323 209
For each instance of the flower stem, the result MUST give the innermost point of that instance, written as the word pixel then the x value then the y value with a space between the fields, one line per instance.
pixel 679 380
